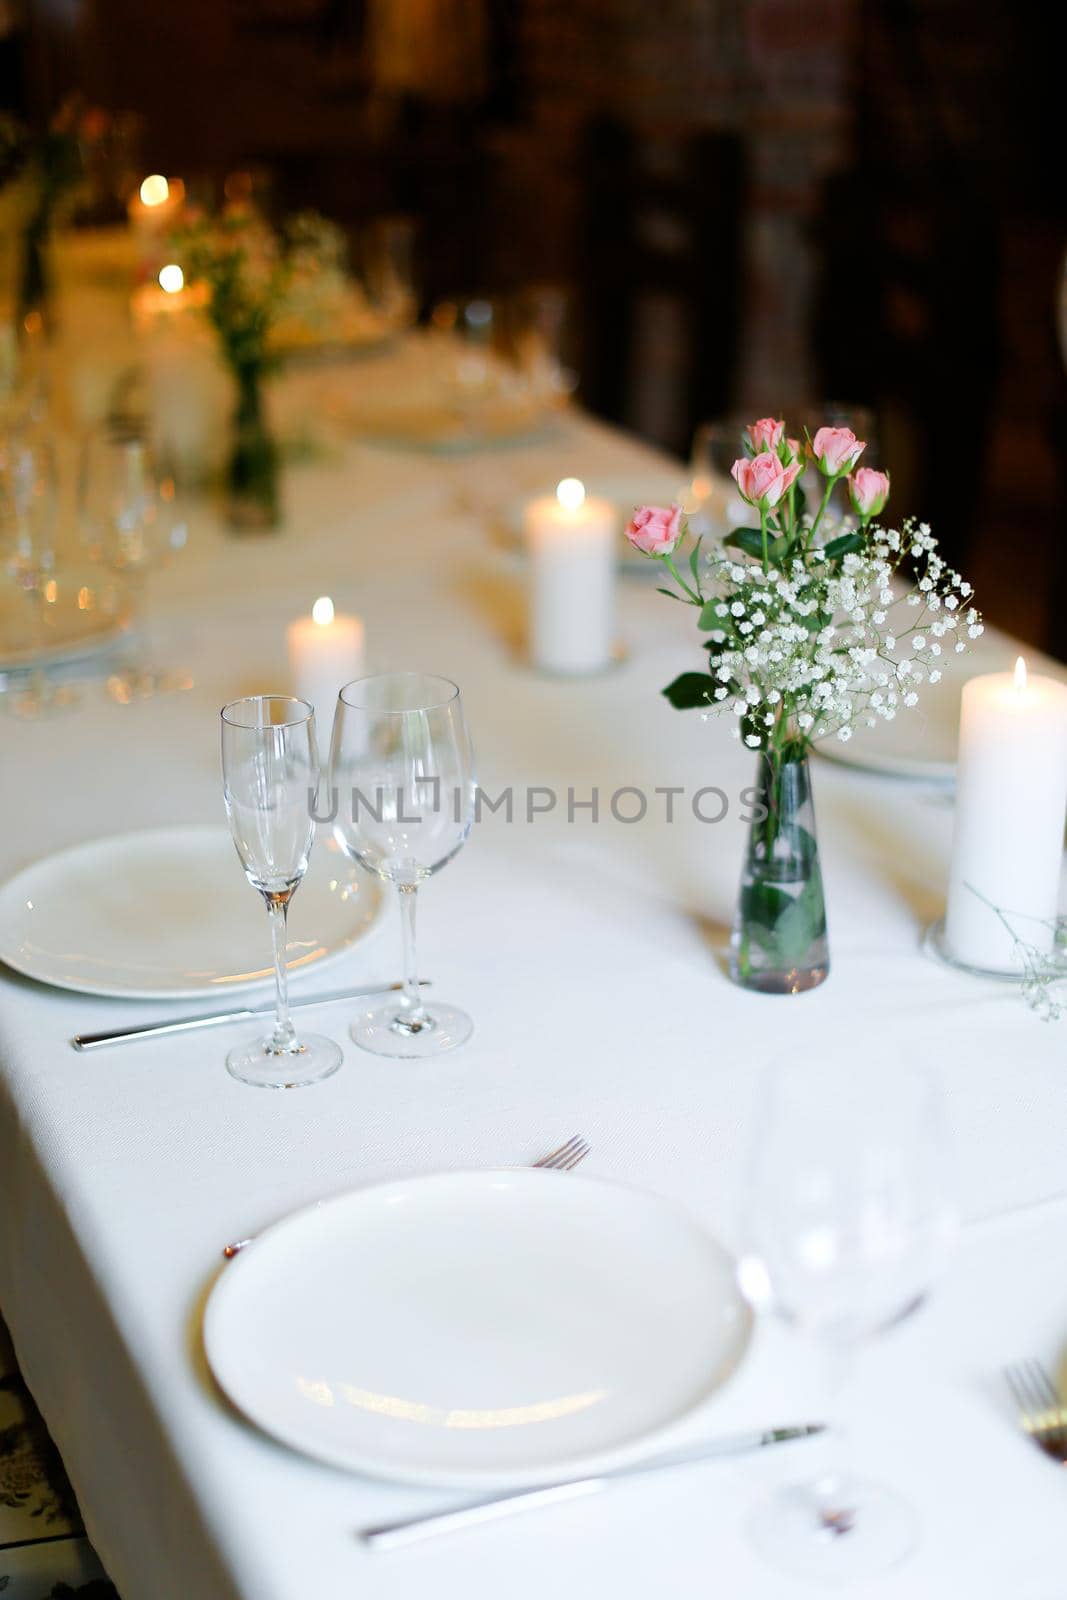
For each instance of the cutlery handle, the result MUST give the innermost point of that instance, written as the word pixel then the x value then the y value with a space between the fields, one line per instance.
pixel 391 1535
pixel 153 1030
pixel 214 1019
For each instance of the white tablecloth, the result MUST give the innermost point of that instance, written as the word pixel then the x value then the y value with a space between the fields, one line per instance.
pixel 587 955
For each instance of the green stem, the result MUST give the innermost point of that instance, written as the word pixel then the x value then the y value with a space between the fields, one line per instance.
pixel 763 537
pixel 695 597
pixel 827 492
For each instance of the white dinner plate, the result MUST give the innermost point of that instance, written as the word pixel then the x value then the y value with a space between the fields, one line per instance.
pixel 477 1329
pixel 168 914
pixel 921 742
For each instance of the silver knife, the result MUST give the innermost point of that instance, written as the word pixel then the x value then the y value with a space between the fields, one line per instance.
pixel 213 1019
pixel 391 1535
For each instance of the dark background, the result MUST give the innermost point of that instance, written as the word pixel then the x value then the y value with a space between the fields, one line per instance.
pixel 757 204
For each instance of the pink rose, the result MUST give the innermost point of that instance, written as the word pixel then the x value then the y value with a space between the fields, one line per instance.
pixel 763 480
pixel 766 434
pixel 836 450
pixel 869 491
pixel 655 529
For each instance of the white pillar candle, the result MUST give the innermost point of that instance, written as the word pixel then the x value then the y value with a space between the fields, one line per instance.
pixel 325 653
pixel 572 543
pixel 1011 792
pixel 154 211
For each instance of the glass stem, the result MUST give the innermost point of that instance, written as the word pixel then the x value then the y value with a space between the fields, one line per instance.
pixel 833 1490
pixel 284 1037
pixel 414 1014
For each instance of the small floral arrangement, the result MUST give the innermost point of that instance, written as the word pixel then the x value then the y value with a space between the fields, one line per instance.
pixel 246 270
pixel 255 279
pixel 46 173
pixel 808 632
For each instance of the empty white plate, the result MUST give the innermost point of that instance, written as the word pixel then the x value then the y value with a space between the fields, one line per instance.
pixel 168 914
pixel 477 1329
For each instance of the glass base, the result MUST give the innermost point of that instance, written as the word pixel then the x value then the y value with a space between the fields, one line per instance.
pixel 43 701
pixel 934 945
pixel 388 1032
pixel 141 683
pixel 792 980
pixel 313 1059
pixel 798 1532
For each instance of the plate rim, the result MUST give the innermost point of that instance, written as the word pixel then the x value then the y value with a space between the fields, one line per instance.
pixel 638 1448
pixel 196 992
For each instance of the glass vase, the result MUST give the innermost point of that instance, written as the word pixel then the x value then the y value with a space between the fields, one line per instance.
pixel 252 469
pixel 34 286
pixel 779 943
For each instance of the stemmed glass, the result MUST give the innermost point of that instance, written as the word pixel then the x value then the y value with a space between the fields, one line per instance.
pixel 130 521
pixel 402 778
pixel 270 777
pixel 28 503
pixel 848 1219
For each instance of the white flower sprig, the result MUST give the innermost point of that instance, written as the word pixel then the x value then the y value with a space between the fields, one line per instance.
pixel 831 641
pixel 812 630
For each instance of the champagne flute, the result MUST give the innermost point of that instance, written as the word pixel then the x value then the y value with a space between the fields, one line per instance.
pixel 848 1219
pixel 270 775
pixel 403 771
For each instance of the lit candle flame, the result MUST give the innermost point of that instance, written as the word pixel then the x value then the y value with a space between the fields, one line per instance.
pixel 570 493
pixel 1020 675
pixel 171 278
pixel 155 190
pixel 322 611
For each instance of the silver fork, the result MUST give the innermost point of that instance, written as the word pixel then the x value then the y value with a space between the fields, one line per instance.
pixel 1042 1412
pixel 562 1160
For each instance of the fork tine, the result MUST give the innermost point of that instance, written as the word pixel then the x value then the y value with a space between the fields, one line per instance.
pixel 1052 1406
pixel 1012 1379
pixel 556 1158
pixel 578 1155
pixel 1041 1410
pixel 1033 1398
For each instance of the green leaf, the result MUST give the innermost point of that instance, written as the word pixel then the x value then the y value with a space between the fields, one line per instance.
pixel 693 556
pixel 709 616
pixel 670 594
pixel 804 921
pixel 689 690
pixel 748 540
pixel 843 545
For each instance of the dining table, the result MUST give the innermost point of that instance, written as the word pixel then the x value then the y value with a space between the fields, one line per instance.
pixel 587 946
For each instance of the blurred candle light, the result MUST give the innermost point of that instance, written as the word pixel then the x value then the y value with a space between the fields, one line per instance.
pixel 171 278
pixel 154 190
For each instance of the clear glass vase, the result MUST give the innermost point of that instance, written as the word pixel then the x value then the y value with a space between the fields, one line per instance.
pixel 252 470
pixel 34 289
pixel 779 943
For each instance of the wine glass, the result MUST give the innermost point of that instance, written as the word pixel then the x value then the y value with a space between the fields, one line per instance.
pixel 270 778
pixel 403 771
pixel 848 1220
pixel 131 522
pixel 28 502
